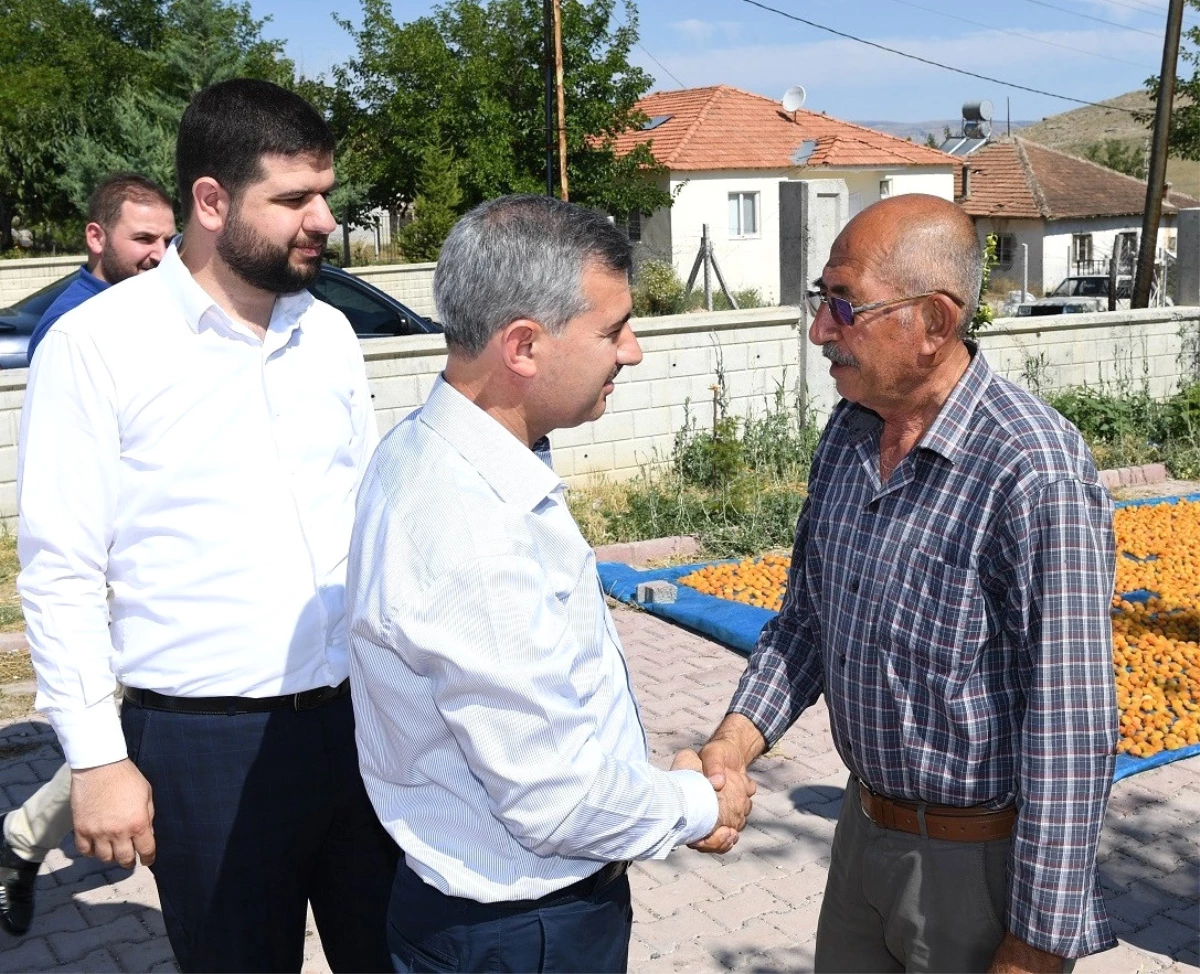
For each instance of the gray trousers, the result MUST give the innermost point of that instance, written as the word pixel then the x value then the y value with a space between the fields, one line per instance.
pixel 898 902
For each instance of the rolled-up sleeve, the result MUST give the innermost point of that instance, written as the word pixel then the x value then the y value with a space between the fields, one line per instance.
pixel 69 451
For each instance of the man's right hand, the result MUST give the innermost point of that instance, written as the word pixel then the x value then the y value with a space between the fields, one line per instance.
pixel 113 814
pixel 726 758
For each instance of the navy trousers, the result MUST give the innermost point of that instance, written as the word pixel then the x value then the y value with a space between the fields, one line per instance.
pixel 430 931
pixel 256 816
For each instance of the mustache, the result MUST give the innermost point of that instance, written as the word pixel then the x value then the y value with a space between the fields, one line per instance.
pixel 837 356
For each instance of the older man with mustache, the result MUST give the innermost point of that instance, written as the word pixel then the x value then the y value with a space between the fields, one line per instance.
pixel 949 596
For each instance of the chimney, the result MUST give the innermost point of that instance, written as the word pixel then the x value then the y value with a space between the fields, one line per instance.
pixel 1166 191
pixel 966 174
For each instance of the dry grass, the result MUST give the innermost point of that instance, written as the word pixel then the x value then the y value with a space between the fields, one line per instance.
pixel 11 618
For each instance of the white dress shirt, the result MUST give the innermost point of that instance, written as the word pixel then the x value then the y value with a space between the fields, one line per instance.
pixel 203 476
pixel 497 731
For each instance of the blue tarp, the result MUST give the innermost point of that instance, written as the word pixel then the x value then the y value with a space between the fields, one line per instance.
pixel 737 626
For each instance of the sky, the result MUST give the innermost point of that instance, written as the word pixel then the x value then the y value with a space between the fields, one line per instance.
pixel 1083 49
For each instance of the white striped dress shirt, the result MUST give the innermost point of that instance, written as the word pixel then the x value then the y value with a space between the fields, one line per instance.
pixel 204 475
pixel 497 730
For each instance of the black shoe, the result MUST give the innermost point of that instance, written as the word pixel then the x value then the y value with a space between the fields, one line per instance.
pixel 17 877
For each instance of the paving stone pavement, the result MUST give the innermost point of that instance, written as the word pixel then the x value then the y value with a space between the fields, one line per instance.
pixel 754 910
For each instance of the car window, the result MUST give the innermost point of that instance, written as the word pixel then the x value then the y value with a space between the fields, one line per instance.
pixel 1092 287
pixel 368 316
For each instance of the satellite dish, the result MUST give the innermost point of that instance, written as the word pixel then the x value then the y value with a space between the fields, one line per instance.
pixel 793 98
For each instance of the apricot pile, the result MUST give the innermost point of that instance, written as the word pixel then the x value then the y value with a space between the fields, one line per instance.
pixel 754 581
pixel 1156 642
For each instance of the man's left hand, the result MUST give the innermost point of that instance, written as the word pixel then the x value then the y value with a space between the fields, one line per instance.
pixel 1014 956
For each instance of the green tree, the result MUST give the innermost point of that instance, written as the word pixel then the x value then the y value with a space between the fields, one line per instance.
pixel 1183 138
pixel 199 42
pixel 1124 157
pixel 472 72
pixel 436 207
pixel 58 61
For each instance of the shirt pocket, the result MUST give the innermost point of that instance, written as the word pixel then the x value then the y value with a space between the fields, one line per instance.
pixel 936 616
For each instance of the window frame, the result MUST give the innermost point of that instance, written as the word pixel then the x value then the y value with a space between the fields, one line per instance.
pixel 738 233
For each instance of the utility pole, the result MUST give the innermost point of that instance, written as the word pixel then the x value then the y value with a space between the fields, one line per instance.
pixel 548 55
pixel 562 107
pixel 1157 175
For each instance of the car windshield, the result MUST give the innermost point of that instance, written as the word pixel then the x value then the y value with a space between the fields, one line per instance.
pixel 1082 287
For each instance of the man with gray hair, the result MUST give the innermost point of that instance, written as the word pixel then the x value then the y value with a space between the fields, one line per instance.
pixel 949 596
pixel 498 735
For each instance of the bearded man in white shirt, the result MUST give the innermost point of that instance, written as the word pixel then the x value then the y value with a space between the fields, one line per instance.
pixel 498 734
pixel 191 444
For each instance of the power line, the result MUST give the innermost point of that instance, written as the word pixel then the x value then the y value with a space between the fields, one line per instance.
pixel 1028 37
pixel 936 64
pixel 1099 20
pixel 661 65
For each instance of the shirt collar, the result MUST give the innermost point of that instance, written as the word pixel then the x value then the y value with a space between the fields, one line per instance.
pixel 952 424
pixel 950 427
pixel 518 474
pixel 199 307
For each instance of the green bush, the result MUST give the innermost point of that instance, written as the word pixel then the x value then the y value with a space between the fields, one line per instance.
pixel 657 290
pixel 1103 418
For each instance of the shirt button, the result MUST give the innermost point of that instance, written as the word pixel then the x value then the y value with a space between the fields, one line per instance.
pixel 842 659
pixel 854 585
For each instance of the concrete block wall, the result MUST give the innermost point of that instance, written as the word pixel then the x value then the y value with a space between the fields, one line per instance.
pixel 757 350
pixel 19 278
pixel 411 284
pixel 1103 350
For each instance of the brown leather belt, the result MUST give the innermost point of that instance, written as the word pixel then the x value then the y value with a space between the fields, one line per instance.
pixel 941 821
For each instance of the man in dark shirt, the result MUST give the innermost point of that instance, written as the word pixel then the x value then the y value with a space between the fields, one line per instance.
pixel 130 225
pixel 949 595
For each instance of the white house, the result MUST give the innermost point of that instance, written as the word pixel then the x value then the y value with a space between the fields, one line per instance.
pixel 726 151
pixel 1073 215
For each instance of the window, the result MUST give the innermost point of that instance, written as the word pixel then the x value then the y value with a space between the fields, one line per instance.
pixel 630 224
pixel 885 188
pixel 743 214
pixel 1081 248
pixel 1006 249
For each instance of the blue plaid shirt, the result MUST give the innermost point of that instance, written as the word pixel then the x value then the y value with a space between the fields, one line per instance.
pixel 957 620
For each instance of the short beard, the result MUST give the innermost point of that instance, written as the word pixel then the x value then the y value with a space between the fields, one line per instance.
pixel 112 270
pixel 837 356
pixel 261 264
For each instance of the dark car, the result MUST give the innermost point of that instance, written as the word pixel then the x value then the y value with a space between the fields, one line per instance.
pixel 372 313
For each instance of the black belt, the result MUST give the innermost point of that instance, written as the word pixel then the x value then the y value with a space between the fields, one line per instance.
pixel 306 700
pixel 580 890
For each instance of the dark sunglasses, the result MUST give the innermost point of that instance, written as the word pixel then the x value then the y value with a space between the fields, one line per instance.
pixel 843 311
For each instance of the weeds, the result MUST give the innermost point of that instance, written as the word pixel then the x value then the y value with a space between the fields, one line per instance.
pixel 737 485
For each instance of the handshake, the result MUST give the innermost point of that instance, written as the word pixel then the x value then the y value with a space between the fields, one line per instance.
pixel 724 765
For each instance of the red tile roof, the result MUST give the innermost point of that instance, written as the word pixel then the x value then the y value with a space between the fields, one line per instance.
pixel 726 128
pixel 1015 178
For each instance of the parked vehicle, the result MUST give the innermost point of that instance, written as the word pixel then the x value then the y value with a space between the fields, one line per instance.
pixel 371 312
pixel 1076 294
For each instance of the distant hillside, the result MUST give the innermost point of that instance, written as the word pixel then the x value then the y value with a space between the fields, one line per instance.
pixel 1075 130
pixel 917 131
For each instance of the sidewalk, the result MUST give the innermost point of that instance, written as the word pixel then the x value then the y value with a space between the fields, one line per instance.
pixel 752 910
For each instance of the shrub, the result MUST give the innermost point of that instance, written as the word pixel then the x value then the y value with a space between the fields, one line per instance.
pixel 657 290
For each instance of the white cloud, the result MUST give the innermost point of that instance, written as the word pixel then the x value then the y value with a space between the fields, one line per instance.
pixel 700 32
